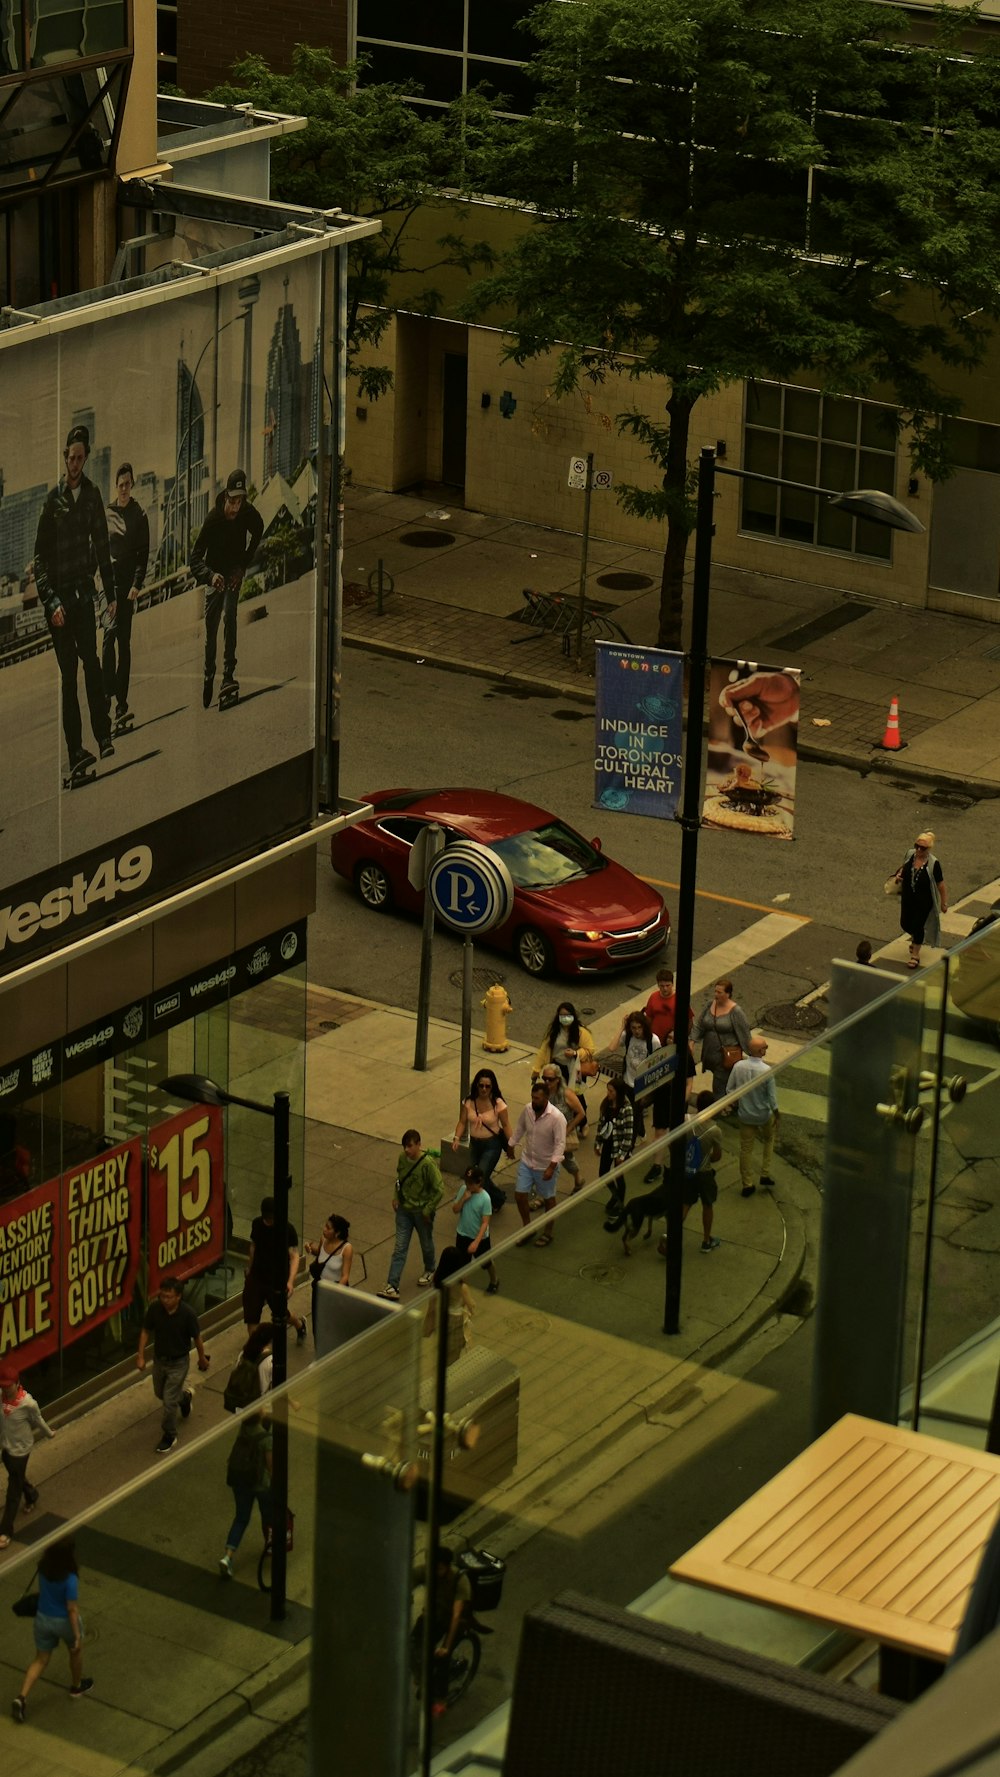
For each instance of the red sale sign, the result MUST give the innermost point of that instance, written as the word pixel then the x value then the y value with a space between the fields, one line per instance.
pixel 187 1199
pixel 29 1275
pixel 102 1203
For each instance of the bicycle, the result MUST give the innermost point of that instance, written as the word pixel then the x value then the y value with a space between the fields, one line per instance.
pixel 485 1573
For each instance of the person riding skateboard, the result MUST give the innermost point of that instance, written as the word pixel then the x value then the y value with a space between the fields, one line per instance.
pixel 70 543
pixel 227 543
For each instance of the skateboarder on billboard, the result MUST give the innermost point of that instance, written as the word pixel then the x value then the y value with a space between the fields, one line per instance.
pixel 128 533
pixel 227 543
pixel 70 543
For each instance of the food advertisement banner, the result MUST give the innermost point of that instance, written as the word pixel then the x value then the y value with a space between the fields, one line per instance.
pixel 637 740
pixel 187 1198
pixel 753 732
pixel 69 1254
pixel 157 595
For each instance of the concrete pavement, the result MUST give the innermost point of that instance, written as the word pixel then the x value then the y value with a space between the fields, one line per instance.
pixel 451 604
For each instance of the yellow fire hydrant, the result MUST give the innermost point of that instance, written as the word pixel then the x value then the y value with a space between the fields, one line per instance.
pixel 498 1009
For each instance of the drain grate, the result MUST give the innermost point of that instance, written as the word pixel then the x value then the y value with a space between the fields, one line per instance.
pixel 427 539
pixel 625 582
pixel 790 1017
pixel 481 979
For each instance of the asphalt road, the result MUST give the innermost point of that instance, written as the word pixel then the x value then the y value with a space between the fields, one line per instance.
pixel 406 725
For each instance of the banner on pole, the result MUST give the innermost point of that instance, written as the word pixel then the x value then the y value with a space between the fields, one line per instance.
pixel 637 740
pixel 753 729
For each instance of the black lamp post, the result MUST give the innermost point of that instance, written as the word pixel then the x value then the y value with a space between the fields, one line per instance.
pixel 868 503
pixel 199 1089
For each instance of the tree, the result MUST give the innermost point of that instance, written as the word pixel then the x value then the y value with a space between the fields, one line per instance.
pixel 369 152
pixel 724 190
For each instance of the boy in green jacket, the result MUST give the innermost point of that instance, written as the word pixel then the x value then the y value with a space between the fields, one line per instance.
pixel 419 1190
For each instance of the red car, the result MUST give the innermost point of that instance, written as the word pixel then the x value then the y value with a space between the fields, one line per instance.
pixel 575 910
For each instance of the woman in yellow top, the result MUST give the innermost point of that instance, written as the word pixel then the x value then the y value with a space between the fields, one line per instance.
pixel 570 1045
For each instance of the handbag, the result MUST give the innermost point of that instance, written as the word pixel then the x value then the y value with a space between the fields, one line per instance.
pixel 892 886
pixel 27 1604
pixel 731 1054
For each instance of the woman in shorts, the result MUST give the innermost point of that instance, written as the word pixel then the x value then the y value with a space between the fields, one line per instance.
pixel 58 1619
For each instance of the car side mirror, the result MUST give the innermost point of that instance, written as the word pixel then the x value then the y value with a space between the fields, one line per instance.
pixel 596 844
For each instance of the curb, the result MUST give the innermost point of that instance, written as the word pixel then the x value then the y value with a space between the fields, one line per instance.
pixel 208 1728
pixel 887 765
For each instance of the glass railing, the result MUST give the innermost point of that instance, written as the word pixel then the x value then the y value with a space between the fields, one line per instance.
pixel 549 1435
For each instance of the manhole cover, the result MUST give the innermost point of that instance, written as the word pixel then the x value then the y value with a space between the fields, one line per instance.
pixel 792 1018
pixel 625 582
pixel 603 1273
pixel 328 1024
pixel 481 979
pixel 426 539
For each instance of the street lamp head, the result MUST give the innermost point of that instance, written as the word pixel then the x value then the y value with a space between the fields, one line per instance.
pixel 878 508
pixel 194 1089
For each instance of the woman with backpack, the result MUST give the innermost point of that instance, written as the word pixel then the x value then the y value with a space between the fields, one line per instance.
pixel 638 1040
pixel 248 1475
pixel 250 1377
pixel 615 1135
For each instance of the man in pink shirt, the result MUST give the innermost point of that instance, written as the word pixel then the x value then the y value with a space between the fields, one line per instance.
pixel 541 1131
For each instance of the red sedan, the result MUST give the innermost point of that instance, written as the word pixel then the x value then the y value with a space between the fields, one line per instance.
pixel 575 910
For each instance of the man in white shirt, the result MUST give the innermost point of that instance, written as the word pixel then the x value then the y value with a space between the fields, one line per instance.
pixel 541 1131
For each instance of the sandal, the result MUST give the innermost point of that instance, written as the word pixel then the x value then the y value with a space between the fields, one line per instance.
pixel 914 960
pixel 543 1239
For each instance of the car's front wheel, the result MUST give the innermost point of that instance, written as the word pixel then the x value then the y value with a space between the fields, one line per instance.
pixel 373 885
pixel 534 951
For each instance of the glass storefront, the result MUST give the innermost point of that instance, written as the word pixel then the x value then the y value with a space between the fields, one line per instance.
pixel 107 1185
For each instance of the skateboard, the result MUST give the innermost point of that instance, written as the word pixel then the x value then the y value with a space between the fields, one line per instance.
pixel 122 724
pixel 83 772
pixel 229 694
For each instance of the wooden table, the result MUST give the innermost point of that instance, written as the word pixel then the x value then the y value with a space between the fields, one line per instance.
pixel 875 1529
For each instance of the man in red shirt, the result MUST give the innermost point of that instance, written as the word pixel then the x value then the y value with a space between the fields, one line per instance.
pixel 660 1009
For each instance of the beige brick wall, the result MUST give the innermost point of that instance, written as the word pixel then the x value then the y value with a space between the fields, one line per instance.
pixel 517 467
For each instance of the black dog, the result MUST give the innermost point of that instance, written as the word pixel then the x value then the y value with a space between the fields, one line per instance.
pixel 629 1216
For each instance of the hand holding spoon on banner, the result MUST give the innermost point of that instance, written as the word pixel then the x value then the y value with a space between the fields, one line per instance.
pixel 761 702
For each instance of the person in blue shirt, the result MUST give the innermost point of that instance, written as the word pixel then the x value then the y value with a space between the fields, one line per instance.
pixel 757 1113
pixel 473 1207
pixel 58 1619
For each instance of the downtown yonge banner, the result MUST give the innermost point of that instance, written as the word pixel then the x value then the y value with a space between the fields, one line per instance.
pixel 158 493
pixel 637 757
pixel 70 1249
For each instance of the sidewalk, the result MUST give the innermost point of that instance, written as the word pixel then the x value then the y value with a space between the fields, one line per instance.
pixel 187 1669
pixel 854 656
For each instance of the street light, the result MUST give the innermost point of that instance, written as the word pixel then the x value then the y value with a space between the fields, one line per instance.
pixel 867 503
pixel 199 1089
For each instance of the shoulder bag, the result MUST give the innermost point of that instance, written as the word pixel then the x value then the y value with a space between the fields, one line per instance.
pixel 27 1604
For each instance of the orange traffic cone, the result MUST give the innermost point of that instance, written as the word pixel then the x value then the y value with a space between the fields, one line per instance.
pixel 891 742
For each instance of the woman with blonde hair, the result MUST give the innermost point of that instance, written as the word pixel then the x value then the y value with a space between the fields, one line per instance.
pixel 923 896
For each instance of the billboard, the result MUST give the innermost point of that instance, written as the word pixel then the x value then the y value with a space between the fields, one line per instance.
pixel 753 735
pixel 637 743
pixel 158 477
pixel 69 1254
pixel 187 1195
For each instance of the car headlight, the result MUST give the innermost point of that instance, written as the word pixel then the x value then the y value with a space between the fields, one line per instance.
pixel 591 937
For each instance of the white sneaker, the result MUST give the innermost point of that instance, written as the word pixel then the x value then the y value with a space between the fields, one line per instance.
pixel 390 1293
pixel 226 1567
pixel 425 1278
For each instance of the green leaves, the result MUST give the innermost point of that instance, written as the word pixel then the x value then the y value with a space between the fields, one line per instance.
pixel 731 189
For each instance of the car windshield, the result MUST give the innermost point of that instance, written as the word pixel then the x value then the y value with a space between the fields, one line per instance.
pixel 545 856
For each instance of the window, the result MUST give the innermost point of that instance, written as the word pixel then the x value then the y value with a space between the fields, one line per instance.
pixel 823 441
pixel 447 49
pixel 546 856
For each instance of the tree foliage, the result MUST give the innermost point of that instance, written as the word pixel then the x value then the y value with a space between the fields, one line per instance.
pixel 369 152
pixel 725 190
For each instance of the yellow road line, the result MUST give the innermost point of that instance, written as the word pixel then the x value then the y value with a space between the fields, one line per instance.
pixel 731 901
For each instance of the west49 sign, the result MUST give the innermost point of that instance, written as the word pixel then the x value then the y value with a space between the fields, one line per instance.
pixel 187 1213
